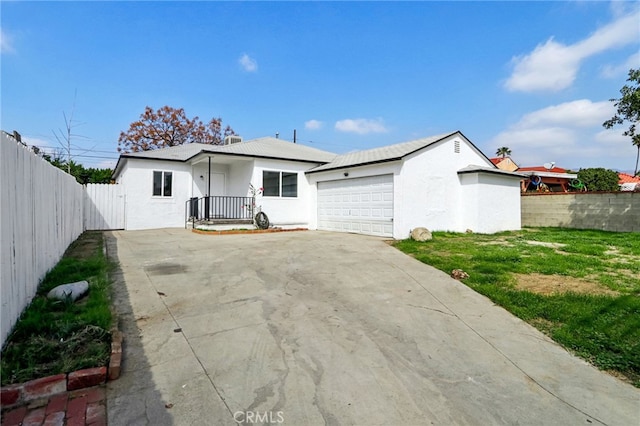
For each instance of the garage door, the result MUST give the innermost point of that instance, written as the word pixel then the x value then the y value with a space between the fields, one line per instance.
pixel 361 205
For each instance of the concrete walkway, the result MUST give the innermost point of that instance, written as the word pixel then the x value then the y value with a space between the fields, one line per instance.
pixel 312 328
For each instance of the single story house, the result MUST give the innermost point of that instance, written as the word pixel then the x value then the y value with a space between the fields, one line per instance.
pixel 548 179
pixel 441 182
pixel 628 182
pixel 505 163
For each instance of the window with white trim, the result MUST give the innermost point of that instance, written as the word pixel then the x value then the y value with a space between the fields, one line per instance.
pixel 162 184
pixel 279 184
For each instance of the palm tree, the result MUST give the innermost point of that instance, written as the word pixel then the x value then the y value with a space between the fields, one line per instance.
pixel 503 151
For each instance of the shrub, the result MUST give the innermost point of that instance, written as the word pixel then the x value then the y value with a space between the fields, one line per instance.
pixel 599 179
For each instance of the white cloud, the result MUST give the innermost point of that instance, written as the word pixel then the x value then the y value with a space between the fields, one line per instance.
pixel 553 66
pixel 571 134
pixel 313 125
pixel 614 71
pixel 580 113
pixel 248 63
pixel 361 126
pixel 6 45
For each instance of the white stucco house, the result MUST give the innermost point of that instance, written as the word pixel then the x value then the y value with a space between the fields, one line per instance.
pixel 441 182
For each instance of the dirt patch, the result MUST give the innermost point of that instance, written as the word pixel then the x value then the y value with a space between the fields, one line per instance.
pixel 545 244
pixel 556 284
pixel 85 246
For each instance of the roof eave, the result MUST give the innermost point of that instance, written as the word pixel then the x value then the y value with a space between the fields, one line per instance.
pixel 494 172
pixel 387 160
pixel 266 157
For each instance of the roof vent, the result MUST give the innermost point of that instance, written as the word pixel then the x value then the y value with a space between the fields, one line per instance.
pixel 228 140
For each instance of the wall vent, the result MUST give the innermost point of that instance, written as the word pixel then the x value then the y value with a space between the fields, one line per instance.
pixel 456 147
pixel 228 140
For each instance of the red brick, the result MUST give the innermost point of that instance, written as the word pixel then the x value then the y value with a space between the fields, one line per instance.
pixel 9 395
pixel 57 403
pixel 54 419
pixel 14 417
pixel 96 394
pixel 86 378
pixel 46 386
pixel 96 415
pixel 77 407
pixel 117 336
pixel 76 421
pixel 34 417
pixel 114 365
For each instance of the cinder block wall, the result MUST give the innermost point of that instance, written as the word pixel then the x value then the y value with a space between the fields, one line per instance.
pixel 608 211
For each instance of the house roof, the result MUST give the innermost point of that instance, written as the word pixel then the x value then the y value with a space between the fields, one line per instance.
pixel 498 160
pixel 542 169
pixel 547 174
pixel 484 169
pixel 627 178
pixel 262 147
pixel 379 155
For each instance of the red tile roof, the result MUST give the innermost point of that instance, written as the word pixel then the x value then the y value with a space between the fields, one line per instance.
pixel 542 169
pixel 627 178
pixel 496 160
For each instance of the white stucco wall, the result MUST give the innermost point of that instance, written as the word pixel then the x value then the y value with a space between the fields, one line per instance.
pixel 285 211
pixel 143 210
pixel 219 179
pixel 429 192
pixel 490 203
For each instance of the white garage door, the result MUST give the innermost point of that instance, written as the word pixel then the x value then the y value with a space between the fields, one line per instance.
pixel 361 205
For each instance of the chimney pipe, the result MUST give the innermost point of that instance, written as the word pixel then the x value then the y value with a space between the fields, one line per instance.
pixel 294 135
pixel 277 135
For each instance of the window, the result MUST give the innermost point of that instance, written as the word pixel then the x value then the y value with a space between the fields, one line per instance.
pixel 289 184
pixel 271 184
pixel 162 183
pixel 279 184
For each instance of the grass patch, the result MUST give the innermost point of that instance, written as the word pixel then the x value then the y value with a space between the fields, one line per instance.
pixel 590 303
pixel 53 336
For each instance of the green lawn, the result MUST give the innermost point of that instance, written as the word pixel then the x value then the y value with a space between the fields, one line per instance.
pixel 581 287
pixel 55 337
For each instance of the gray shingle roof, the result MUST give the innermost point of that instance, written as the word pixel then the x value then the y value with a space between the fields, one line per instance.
pixel 379 155
pixel 261 147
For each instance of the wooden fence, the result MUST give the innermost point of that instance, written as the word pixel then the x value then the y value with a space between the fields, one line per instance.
pixel 42 211
pixel 104 207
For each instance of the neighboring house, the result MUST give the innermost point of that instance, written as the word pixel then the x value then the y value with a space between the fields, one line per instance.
pixel 628 182
pixel 555 179
pixel 442 182
pixel 505 163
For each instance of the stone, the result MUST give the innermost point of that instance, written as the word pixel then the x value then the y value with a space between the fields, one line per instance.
pixel 459 274
pixel 72 291
pixel 421 234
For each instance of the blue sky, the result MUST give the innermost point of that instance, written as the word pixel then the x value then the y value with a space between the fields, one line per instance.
pixel 533 76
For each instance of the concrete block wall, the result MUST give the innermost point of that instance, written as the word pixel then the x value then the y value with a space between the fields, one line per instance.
pixel 607 211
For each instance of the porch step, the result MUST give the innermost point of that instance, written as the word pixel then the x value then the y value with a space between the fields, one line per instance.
pixel 224 222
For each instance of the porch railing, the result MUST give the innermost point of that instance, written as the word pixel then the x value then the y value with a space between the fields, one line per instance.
pixel 218 208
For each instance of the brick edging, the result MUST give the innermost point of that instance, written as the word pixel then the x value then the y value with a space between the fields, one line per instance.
pixel 245 231
pixel 19 393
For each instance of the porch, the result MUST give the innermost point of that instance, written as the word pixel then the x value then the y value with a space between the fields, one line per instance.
pixel 219 210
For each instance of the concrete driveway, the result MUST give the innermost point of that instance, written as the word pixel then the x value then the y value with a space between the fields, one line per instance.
pixel 313 328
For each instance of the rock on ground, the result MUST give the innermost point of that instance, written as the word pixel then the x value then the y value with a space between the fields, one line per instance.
pixel 73 291
pixel 421 234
